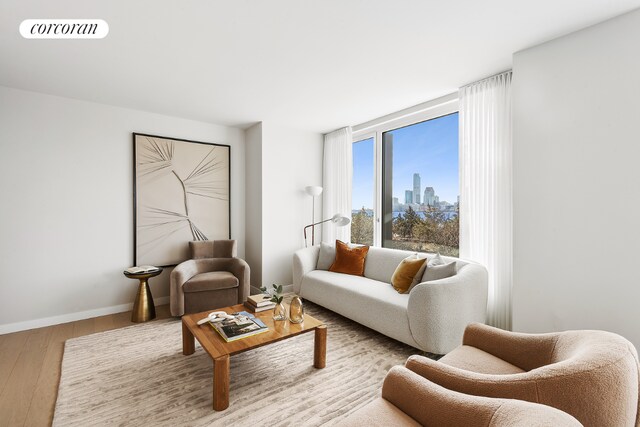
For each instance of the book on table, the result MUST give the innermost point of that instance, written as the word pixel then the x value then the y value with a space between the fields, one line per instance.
pixel 255 309
pixel 142 269
pixel 259 300
pixel 243 324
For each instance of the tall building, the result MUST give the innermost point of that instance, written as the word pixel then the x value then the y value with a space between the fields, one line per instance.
pixel 408 197
pixel 416 188
pixel 429 196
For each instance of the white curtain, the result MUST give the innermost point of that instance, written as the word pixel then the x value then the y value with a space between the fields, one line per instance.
pixel 336 181
pixel 486 209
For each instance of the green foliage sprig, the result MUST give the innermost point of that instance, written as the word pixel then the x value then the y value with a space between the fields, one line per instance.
pixel 276 293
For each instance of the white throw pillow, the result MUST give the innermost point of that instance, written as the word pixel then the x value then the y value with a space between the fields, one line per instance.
pixel 434 269
pixel 438 272
pixel 327 256
pixel 436 260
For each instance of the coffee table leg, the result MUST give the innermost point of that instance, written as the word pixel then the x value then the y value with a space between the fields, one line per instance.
pixel 188 342
pixel 320 347
pixel 221 383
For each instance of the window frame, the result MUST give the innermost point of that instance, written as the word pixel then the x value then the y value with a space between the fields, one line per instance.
pixel 374 129
pixel 363 137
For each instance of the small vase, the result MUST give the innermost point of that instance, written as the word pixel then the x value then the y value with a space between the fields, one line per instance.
pixel 280 312
pixel 296 310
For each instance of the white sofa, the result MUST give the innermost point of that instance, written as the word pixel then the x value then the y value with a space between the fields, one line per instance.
pixel 432 317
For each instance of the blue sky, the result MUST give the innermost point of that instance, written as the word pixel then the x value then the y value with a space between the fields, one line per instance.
pixel 429 148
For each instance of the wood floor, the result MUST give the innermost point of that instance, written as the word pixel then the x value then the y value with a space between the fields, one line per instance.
pixel 30 366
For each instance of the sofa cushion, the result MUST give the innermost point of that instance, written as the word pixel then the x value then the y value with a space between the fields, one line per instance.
pixel 405 273
pixel 349 260
pixel 475 360
pixel 435 260
pixel 439 272
pixel 326 257
pixel 382 262
pixel 380 412
pixel 370 302
pixel 211 281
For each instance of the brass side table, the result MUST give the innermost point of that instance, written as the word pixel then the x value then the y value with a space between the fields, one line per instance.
pixel 143 308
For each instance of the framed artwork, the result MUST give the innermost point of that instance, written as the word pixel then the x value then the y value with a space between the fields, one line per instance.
pixel 181 193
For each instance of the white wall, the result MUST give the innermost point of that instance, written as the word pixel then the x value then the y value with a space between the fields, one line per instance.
pixel 576 176
pixel 66 183
pixel 292 160
pixel 281 162
pixel 253 218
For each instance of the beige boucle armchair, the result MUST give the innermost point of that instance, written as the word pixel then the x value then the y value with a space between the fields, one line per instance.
pixel 592 375
pixel 411 400
pixel 213 278
pixel 507 379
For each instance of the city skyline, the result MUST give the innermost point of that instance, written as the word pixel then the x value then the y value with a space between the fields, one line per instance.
pixel 429 149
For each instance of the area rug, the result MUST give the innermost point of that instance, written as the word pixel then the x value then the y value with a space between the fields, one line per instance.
pixel 138 376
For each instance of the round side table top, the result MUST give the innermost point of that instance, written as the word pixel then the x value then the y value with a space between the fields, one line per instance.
pixel 144 275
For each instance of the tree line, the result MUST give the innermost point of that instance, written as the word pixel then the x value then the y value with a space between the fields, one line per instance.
pixel 434 232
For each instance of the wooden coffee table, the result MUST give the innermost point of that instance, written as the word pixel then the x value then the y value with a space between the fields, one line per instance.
pixel 220 350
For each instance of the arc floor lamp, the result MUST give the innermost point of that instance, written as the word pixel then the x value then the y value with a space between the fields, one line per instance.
pixel 313 191
pixel 337 219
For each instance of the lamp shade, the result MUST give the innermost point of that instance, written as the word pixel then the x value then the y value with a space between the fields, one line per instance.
pixel 313 190
pixel 340 220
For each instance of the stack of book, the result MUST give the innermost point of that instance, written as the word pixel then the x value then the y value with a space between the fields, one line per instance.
pixel 142 269
pixel 242 325
pixel 260 302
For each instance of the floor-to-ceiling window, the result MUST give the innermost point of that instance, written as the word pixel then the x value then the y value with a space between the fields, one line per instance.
pixel 420 188
pixel 363 195
pixel 406 186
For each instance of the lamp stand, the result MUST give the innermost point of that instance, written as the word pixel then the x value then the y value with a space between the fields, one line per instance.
pixel 313 220
pixel 313 191
pixel 304 230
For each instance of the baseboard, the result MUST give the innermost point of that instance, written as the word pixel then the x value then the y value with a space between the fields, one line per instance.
pixel 81 315
pixel 72 317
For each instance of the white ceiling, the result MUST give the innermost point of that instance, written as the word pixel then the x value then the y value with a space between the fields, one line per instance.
pixel 311 64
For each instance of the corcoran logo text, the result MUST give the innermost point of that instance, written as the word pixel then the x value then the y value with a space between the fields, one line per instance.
pixel 64 29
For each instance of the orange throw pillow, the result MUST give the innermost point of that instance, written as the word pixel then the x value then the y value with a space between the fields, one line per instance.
pixel 349 260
